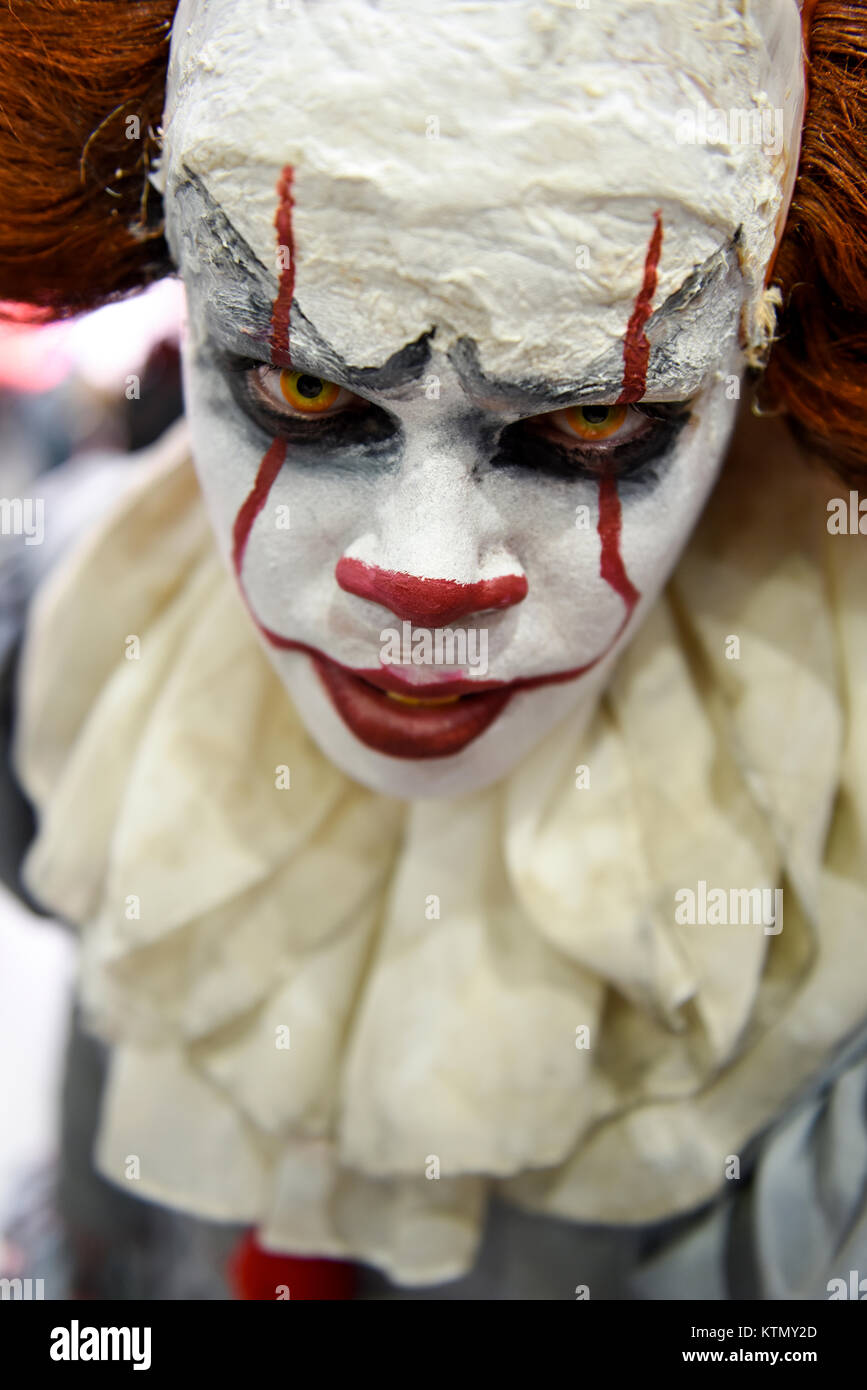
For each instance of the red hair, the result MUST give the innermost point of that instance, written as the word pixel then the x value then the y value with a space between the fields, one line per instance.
pixel 817 371
pixel 81 225
pixel 82 84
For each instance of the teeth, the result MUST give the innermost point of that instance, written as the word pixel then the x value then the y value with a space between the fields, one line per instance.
pixel 434 700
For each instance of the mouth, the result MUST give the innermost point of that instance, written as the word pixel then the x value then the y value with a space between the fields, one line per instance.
pixel 439 721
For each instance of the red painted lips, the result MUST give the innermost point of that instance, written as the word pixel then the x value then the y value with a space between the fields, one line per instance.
pixel 409 730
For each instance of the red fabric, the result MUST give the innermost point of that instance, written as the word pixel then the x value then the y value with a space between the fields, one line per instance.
pixel 259 1274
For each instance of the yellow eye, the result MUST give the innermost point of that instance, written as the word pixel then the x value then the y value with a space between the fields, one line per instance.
pixel 307 393
pixel 594 421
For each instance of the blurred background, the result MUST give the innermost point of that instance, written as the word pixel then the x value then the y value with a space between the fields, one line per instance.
pixel 77 400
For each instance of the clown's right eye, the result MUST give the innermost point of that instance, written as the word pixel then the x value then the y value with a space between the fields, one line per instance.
pixel 314 413
pixel 301 393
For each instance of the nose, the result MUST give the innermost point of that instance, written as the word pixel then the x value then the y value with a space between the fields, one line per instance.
pixel 428 602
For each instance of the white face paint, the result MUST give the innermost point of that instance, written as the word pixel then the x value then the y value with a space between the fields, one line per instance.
pixel 494 228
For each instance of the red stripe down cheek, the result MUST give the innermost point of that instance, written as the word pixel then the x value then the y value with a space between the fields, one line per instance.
pixel 611 566
pixel 255 501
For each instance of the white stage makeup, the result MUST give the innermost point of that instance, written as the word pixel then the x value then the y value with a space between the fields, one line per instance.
pixel 471 289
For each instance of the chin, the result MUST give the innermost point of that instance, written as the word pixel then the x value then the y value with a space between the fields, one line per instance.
pixel 522 724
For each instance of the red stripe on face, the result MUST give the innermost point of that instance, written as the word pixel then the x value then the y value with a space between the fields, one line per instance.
pixel 611 566
pixel 285 243
pixel 280 311
pixel 636 355
pixel 255 501
pixel 435 602
pixel 636 348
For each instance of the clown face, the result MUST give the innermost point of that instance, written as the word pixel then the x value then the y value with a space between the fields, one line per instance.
pixel 471 289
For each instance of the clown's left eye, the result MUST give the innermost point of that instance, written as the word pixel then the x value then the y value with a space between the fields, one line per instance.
pixel 592 441
pixel 302 394
pixel 592 424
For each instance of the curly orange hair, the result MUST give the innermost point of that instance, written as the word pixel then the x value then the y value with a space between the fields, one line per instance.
pixel 817 371
pixel 82 86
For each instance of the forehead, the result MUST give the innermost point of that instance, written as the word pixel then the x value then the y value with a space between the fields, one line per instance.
pixel 488 170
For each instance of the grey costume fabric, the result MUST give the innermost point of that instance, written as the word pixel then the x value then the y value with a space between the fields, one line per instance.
pixel 802 1219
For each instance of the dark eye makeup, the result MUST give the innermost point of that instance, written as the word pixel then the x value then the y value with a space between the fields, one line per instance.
pixel 356 425
pixel 535 444
pixel 587 442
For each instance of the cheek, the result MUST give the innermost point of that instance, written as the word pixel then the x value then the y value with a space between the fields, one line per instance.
pixel 307 523
pixel 298 526
pixel 225 458
pixel 658 521
pixel 594 561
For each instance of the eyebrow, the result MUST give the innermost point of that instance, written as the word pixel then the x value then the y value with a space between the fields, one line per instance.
pixel 242 312
pixel 241 315
pixel 604 380
pixel 464 357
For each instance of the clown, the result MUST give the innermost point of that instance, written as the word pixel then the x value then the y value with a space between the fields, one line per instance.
pixel 477 298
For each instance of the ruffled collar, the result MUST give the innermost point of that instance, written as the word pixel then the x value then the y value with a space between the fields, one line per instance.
pixel 350 1019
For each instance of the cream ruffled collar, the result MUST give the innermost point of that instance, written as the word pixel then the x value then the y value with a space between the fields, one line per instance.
pixel 432 1059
